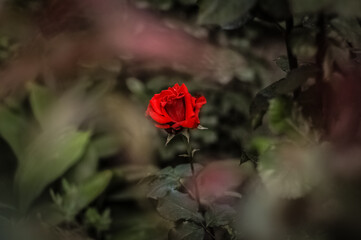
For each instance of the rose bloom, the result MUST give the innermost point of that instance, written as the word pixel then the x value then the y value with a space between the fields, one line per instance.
pixel 175 109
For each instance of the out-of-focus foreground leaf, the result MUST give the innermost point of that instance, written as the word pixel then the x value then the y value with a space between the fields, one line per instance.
pixel 41 101
pixel 12 129
pixel 46 158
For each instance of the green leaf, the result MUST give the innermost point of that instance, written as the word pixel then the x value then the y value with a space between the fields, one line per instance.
pixel 12 129
pixel 279 113
pixel 91 189
pixel 106 146
pixel 160 187
pixel 261 144
pixel 219 215
pixel 223 13
pixel 275 10
pixel 188 2
pixel 282 63
pixel 187 231
pixel 100 222
pixel 49 213
pixel 138 225
pixel 287 85
pixel 77 197
pixel 6 206
pixel 349 29
pixel 85 167
pixel 345 8
pixel 177 205
pixel 308 6
pixel 135 86
pixel 46 158
pixel 169 179
pixel 303 42
pixel 41 101
pixel 184 170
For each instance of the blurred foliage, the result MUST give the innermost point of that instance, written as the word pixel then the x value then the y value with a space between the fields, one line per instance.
pixel 80 161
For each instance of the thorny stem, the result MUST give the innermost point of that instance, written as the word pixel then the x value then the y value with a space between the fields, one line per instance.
pixel 191 162
pixel 321 41
pixel 196 189
pixel 292 60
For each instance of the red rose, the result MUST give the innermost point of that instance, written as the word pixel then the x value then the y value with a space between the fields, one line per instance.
pixel 175 108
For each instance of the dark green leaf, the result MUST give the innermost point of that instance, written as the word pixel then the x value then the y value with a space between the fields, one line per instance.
pixel 287 85
pixel 166 171
pixel 349 29
pixel 282 63
pixel 345 8
pixel 275 10
pixel 188 2
pixel 303 42
pixel 308 6
pixel 160 187
pixel 223 13
pixel 187 231
pixel 219 215
pixel 6 206
pixel 184 170
pixel 177 205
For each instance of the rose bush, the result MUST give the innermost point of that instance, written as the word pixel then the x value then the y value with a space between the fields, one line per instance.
pixel 175 109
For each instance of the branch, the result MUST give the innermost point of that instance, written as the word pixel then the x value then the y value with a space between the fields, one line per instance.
pixel 292 60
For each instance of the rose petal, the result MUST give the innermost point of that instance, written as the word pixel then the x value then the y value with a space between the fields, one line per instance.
pixel 155 103
pixel 188 105
pixel 163 126
pixel 199 103
pixel 176 109
pixel 157 117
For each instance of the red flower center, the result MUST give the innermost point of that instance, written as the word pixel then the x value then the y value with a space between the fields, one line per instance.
pixel 176 109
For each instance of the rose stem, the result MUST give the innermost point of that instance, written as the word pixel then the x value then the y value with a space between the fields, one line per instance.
pixel 194 179
pixel 191 162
